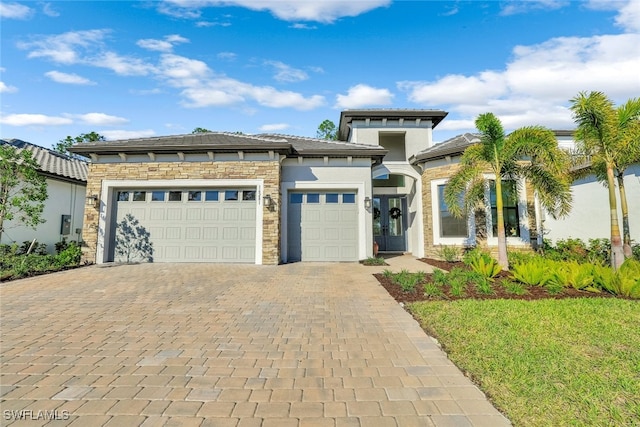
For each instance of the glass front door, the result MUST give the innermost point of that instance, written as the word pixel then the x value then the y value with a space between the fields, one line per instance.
pixel 389 223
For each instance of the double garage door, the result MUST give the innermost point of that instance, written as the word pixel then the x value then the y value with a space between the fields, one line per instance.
pixel 187 225
pixel 322 226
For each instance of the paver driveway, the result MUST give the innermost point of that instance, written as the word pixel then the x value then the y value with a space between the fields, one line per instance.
pixel 223 345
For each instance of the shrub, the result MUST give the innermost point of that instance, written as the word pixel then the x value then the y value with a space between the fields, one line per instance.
pixel 37 249
pixel 374 261
pixel 407 280
pixel 635 250
pixel 626 280
pixel 572 274
pixel 533 273
pixel 70 256
pixel 515 288
pixel 449 253
pixel 520 257
pixel 433 290
pixel 482 263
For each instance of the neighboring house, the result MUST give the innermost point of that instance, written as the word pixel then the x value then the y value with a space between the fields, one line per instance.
pixel 64 207
pixel 269 199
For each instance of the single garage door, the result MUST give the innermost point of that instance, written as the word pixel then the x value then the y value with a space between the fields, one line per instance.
pixel 322 226
pixel 189 225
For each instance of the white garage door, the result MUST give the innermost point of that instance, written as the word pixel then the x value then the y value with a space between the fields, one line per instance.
pixel 322 226
pixel 187 225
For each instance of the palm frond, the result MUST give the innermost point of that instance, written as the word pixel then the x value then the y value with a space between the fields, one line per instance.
pixel 456 189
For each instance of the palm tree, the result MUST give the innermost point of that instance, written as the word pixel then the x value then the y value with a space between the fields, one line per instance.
pixel 610 136
pixel 531 153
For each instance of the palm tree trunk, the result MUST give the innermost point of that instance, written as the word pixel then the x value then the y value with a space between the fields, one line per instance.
pixel 626 233
pixel 617 252
pixel 502 235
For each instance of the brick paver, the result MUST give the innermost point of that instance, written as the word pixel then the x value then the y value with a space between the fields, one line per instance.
pixel 224 345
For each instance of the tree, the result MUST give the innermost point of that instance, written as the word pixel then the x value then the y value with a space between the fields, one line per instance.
pixel 610 137
pixel 64 144
pixel 530 153
pixel 22 190
pixel 327 130
pixel 200 130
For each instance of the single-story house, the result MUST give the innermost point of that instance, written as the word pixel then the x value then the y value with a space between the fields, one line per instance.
pixel 270 198
pixel 64 208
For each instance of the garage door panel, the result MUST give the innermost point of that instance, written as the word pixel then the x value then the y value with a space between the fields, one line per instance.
pixel 194 230
pixel 193 233
pixel 194 214
pixel 325 229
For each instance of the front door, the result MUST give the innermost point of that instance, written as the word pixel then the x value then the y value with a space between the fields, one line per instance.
pixel 389 223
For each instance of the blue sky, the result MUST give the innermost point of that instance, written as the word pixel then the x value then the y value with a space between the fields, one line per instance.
pixel 152 68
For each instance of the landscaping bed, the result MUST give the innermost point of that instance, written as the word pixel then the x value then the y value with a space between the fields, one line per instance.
pixel 498 286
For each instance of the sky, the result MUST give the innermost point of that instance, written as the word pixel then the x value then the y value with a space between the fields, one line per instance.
pixel 155 68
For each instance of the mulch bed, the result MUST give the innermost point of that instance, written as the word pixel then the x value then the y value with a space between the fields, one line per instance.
pixel 533 292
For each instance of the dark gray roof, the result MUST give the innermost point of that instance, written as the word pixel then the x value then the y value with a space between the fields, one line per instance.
pixel 455 145
pixel 229 142
pixel 52 162
pixel 347 116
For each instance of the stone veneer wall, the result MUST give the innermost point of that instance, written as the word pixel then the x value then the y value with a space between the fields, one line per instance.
pixel 267 170
pixel 444 172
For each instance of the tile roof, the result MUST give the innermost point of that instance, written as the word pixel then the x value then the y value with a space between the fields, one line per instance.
pixel 52 162
pixel 222 141
pixel 455 145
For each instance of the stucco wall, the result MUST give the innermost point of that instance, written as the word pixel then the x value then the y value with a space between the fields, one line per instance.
pixel 269 171
pixel 64 198
pixel 314 174
pixel 589 217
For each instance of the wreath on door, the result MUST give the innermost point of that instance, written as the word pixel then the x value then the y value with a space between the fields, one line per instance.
pixel 376 213
pixel 395 213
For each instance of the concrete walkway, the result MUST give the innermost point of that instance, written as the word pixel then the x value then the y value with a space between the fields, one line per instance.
pixel 224 345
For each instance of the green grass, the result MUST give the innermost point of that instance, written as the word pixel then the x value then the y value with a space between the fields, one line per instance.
pixel 573 362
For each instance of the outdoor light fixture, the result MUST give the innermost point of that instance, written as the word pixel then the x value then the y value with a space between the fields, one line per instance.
pixel 268 201
pixel 367 202
pixel 92 201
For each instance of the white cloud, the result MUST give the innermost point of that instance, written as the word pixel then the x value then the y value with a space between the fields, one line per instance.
pixel 4 88
pixel 363 95
pixel 628 12
pixel 101 119
pixel 287 10
pixel 15 11
pixel 227 56
pixel 165 45
pixel 274 127
pixel 127 134
pixel 286 73
pixel 64 48
pixel 203 24
pixel 300 26
pixel 73 79
pixel 513 7
pixel 48 10
pixel 122 65
pixel 536 85
pixel 34 120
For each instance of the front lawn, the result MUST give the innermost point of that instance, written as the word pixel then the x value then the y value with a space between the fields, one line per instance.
pixel 547 362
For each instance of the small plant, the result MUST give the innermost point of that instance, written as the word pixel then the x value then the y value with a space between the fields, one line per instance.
pixel 407 280
pixel 520 257
pixel 387 273
pixel 433 290
pixel 515 288
pixel 439 277
pixel 483 263
pixel 483 284
pixel 449 253
pixel 533 273
pixel 626 280
pixel 70 256
pixel 572 274
pixel 458 286
pixel 36 248
pixel 374 261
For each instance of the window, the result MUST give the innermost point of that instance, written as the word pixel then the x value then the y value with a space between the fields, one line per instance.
pixel 510 208
pixel 195 196
pixel 332 198
pixel 139 196
pixel 313 198
pixel 123 196
pixel 450 226
pixel 211 196
pixel 157 196
pixel 295 198
pixel 389 181
pixel 248 195
pixel 348 198
pixel 175 196
pixel 231 195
